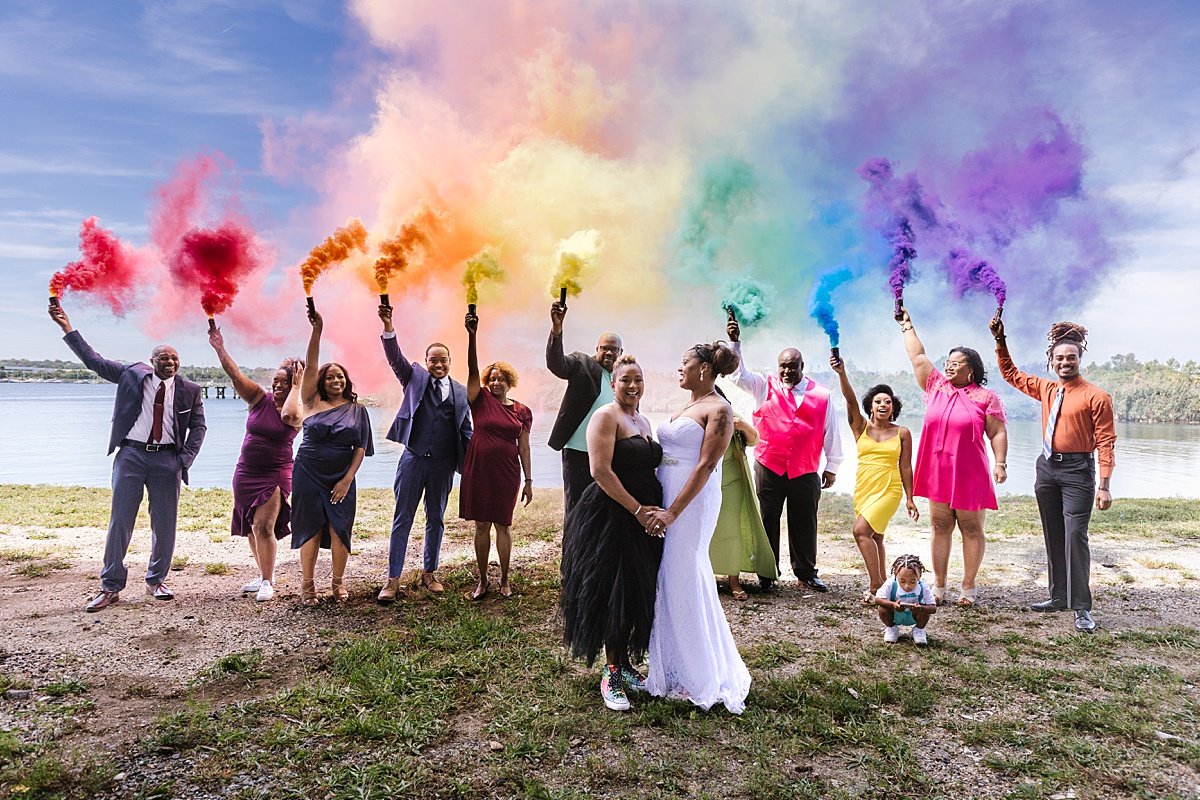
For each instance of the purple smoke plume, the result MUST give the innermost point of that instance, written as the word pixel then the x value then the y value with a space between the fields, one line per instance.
pixel 966 272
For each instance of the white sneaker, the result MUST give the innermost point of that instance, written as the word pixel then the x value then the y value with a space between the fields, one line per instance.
pixel 919 636
pixel 891 634
pixel 252 586
pixel 265 592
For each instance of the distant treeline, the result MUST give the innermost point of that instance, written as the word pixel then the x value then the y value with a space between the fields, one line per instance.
pixel 1150 391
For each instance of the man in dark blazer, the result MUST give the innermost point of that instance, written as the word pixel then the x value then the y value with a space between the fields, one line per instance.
pixel 589 386
pixel 434 425
pixel 158 426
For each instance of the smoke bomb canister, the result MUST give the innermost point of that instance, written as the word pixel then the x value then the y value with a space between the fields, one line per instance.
pixel 212 324
pixel 54 301
pixel 730 313
pixel 836 352
pixel 562 297
pixel 999 311
pixel 899 312
pixel 312 307
pixel 384 301
pixel 471 309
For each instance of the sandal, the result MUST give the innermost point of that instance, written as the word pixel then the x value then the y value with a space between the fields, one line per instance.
pixel 308 593
pixel 505 589
pixel 340 595
pixel 479 594
pixel 939 595
pixel 868 598
pixel 966 598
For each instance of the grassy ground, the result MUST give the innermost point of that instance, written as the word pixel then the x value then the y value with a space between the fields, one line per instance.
pixel 442 697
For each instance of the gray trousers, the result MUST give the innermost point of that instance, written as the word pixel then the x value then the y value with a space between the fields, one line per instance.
pixel 1065 492
pixel 135 471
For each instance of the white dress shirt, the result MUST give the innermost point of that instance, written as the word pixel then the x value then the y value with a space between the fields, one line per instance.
pixel 755 385
pixel 140 432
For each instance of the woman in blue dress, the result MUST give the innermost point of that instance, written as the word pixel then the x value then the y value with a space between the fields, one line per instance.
pixel 337 436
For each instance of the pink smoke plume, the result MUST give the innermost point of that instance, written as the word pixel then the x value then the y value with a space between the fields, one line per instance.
pixel 109 269
pixel 214 262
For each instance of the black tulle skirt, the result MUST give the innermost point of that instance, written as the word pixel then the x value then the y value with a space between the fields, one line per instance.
pixel 610 564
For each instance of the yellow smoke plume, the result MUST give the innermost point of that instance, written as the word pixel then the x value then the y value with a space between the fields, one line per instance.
pixel 481 266
pixel 574 256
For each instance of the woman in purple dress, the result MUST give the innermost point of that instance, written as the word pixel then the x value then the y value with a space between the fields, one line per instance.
pixel 337 436
pixel 262 479
pixel 496 457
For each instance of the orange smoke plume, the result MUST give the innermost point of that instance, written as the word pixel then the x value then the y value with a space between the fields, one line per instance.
pixel 333 250
pixel 418 231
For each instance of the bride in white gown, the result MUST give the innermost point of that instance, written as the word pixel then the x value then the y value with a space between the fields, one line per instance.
pixel 692 653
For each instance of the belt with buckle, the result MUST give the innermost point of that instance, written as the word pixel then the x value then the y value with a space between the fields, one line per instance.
pixel 149 447
pixel 1069 457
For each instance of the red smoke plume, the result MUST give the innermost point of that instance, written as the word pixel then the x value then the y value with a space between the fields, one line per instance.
pixel 108 269
pixel 215 261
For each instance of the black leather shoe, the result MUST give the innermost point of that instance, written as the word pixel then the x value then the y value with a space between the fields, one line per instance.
pixel 1084 622
pixel 1049 605
pixel 816 584
pixel 769 586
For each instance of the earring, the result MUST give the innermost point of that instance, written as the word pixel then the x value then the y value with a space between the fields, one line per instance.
pixel 702 373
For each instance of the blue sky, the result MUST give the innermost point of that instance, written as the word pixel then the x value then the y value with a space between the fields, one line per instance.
pixel 105 98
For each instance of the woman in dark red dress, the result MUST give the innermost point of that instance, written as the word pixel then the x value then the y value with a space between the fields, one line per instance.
pixel 496 457
pixel 262 479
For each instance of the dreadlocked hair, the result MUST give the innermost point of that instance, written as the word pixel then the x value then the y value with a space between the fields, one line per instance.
pixel 1066 333
pixel 908 562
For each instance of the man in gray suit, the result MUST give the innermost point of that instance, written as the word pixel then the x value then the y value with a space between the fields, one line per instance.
pixel 434 425
pixel 158 424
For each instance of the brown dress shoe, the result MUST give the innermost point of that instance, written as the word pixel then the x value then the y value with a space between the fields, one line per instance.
pixel 389 591
pixel 103 601
pixel 429 581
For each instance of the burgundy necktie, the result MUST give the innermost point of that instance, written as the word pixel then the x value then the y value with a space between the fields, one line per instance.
pixel 160 398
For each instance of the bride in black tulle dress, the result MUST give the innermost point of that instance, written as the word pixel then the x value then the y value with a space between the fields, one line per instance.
pixel 609 561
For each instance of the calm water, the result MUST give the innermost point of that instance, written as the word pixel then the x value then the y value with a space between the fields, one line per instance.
pixel 57 433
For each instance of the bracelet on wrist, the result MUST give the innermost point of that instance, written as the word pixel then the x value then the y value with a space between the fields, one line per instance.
pixel 529 480
pixel 1001 465
pixel 638 511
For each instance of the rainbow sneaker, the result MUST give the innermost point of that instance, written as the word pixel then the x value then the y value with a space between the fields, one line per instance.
pixel 633 680
pixel 612 690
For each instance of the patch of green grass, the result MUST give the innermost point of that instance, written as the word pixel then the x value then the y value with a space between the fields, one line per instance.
pixel 771 655
pixel 179 562
pixel 216 568
pixel 1174 637
pixel 15 555
pixel 217 537
pixel 64 688
pixel 41 535
pixel 40 569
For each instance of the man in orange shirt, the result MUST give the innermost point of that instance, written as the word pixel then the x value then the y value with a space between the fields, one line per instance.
pixel 1077 422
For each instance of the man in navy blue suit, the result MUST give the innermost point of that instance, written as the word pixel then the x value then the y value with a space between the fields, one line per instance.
pixel 158 424
pixel 434 425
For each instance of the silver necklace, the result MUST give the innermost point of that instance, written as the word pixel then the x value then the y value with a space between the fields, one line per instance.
pixel 697 400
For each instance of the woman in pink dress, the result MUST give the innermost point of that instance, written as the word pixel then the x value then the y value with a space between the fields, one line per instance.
pixel 262 479
pixel 952 464
pixel 496 457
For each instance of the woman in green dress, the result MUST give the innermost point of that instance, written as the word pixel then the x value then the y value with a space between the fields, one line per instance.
pixel 740 542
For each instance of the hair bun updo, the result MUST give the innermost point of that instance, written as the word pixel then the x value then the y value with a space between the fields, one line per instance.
pixel 723 358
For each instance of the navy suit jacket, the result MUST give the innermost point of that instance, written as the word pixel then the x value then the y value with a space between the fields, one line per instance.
pixel 188 410
pixel 415 380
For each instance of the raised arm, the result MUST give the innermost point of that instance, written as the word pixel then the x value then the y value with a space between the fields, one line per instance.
pixel 391 348
pixel 312 357
pixel 857 423
pixel 1022 381
pixel 556 360
pixel 718 430
pixel 753 384
pixel 921 364
pixel 472 323
pixel 109 370
pixel 247 389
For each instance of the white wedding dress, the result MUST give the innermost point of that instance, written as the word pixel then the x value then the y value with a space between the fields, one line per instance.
pixel 692 653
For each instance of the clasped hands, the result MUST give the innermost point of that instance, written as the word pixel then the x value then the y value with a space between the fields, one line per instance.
pixel 655 520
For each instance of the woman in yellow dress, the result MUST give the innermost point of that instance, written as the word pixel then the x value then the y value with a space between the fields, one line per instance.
pixel 885 473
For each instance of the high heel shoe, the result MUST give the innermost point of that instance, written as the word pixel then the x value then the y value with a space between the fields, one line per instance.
pixel 308 593
pixel 340 595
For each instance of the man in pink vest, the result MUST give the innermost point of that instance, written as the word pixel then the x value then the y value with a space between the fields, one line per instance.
pixel 795 422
